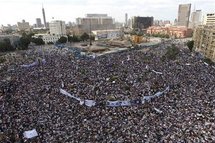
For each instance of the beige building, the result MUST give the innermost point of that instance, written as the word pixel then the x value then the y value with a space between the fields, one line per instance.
pixel 23 26
pixel 204 41
pixel 209 19
pixel 57 27
pixel 196 19
pixel 95 22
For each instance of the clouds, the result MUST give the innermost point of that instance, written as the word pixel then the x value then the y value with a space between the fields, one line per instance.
pixel 68 10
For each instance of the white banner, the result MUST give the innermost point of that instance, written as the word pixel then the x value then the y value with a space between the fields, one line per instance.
pixel 157 72
pixel 118 103
pixel 30 134
pixel 89 103
pixel 67 94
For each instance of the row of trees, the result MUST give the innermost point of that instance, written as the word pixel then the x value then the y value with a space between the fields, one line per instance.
pixel 21 44
pixel 27 38
pixel 161 35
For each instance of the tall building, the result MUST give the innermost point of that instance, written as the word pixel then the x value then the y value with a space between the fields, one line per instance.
pixel 44 17
pixel 184 14
pixel 57 27
pixel 95 22
pixel 141 22
pixel 204 39
pixel 196 18
pixel 209 19
pixel 23 26
pixel 38 23
pixel 126 20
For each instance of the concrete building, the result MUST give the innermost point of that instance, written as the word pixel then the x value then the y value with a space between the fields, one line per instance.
pixel 204 41
pixel 209 19
pixel 141 22
pixel 196 18
pixel 95 22
pixel 8 28
pixel 23 26
pixel 161 22
pixel 126 20
pixel 57 27
pixel 47 38
pixel 44 17
pixel 107 34
pixel 184 14
pixel 38 23
pixel 172 31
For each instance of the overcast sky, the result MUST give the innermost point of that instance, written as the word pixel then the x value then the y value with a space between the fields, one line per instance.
pixel 12 11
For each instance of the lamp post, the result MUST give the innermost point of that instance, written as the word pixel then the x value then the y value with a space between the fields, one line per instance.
pixel 90 33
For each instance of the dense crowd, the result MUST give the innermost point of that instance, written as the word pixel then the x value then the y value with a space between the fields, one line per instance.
pixel 30 98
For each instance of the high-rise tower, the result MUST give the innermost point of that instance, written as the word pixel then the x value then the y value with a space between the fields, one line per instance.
pixel 184 14
pixel 44 17
pixel 126 20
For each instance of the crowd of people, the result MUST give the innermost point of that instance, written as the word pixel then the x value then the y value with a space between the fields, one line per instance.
pixel 30 98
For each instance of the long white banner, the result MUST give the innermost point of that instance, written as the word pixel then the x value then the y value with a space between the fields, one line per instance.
pixel 118 103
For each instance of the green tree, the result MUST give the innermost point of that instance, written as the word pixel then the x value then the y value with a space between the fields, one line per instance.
pixel 171 53
pixel 62 39
pixel 190 45
pixel 24 42
pixel 85 37
pixel 38 41
pixel 75 38
pixel 208 61
pixel 5 45
pixel 69 38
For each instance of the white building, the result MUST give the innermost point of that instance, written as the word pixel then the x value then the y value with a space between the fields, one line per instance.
pixel 23 26
pixel 47 38
pixel 209 19
pixel 107 34
pixel 57 27
pixel 196 18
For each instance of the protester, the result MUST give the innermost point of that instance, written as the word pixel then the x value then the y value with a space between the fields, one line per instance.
pixel 31 99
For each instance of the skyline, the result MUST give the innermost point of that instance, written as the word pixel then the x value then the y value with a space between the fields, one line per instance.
pixel 66 10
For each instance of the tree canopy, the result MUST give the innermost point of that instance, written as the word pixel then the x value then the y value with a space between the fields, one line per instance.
pixel 190 45
pixel 38 41
pixel 62 39
pixel 85 37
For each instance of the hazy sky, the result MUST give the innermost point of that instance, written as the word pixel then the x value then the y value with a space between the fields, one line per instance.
pixel 12 11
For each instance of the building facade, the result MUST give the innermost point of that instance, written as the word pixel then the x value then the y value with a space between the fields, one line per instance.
pixel 209 19
pixel 95 22
pixel 173 31
pixel 141 22
pixel 47 38
pixel 126 20
pixel 184 14
pixel 38 23
pixel 196 18
pixel 107 34
pixel 57 27
pixel 161 22
pixel 204 41
pixel 23 26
